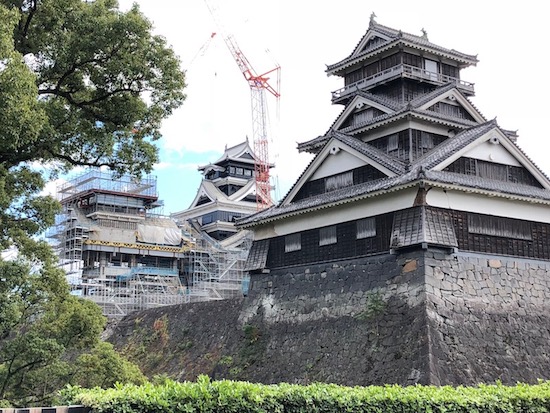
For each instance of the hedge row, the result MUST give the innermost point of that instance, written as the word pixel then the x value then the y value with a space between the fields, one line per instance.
pixel 206 396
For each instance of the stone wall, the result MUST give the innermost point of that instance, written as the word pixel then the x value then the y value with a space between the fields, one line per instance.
pixel 417 317
pixel 353 322
pixel 488 318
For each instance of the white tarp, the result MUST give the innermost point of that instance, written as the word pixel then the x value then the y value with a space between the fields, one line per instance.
pixel 153 234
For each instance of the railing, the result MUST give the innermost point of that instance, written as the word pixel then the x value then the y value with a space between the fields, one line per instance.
pixel 155 271
pixel 394 72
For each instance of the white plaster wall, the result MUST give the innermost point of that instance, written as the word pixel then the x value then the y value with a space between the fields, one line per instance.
pixel 347 212
pixel 492 153
pixel 339 162
pixel 483 204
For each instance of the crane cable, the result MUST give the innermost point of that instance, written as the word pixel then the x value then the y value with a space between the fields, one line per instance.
pixel 202 50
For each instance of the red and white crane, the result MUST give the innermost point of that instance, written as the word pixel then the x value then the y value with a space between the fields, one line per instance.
pixel 258 84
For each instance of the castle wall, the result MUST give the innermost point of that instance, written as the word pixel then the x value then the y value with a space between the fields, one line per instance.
pixel 352 322
pixel 417 317
pixel 488 318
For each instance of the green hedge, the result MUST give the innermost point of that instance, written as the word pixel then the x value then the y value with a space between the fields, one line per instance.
pixel 205 396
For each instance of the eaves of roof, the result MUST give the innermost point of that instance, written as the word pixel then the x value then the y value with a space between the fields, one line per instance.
pixel 410 41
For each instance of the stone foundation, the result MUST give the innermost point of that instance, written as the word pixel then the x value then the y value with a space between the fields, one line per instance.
pixel 418 317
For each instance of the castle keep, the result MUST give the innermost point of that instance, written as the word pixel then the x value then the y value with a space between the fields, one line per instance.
pixel 414 248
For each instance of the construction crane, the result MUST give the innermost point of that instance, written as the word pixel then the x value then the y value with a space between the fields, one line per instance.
pixel 258 84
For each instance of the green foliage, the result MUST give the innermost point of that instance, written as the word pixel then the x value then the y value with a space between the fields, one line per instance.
pixel 49 338
pixel 243 397
pixel 251 333
pixel 374 306
pixel 81 84
pixel 226 361
pixel 103 367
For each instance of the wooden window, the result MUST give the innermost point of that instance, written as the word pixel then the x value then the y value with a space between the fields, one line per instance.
pixel 293 242
pixel 412 60
pixel 354 76
pixel 339 181
pixel 393 142
pixel 327 235
pixel 371 69
pixel 366 228
pixel 492 170
pixel 389 61
pixel 499 227
pixel 426 140
pixel 448 70
pixel 363 116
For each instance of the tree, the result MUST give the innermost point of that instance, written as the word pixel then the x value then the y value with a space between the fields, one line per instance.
pixel 81 84
pixel 49 338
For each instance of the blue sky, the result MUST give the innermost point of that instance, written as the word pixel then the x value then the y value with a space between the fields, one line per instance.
pixel 178 178
pixel 303 36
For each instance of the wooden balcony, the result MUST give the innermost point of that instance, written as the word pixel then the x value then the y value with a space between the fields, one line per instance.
pixel 403 71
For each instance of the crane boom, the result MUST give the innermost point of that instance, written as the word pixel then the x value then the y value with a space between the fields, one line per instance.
pixel 258 85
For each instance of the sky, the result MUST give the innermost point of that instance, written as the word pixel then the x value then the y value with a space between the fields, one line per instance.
pixel 303 36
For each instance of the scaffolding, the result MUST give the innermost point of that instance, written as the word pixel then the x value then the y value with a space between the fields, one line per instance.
pixel 128 257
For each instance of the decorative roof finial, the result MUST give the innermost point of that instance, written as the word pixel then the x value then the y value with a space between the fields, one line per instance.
pixel 424 34
pixel 372 21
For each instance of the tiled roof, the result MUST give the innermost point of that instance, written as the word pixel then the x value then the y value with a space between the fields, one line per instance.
pixel 319 201
pixel 373 153
pixel 476 182
pixel 257 256
pixel 419 171
pixel 422 225
pixel 450 146
pixel 383 159
pixel 234 153
pixel 384 101
pixel 426 97
pixel 400 110
pixel 395 37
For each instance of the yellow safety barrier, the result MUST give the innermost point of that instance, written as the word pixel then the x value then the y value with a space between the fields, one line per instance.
pixel 164 248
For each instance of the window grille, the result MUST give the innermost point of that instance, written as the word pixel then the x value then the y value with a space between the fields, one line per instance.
pixel 327 235
pixel 499 227
pixel 293 242
pixel 366 228
pixel 339 181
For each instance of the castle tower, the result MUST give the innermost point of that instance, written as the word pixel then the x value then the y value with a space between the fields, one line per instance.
pixel 226 193
pixel 418 215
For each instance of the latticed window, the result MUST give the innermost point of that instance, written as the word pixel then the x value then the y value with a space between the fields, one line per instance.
pixel 366 228
pixel 327 235
pixel 293 242
pixel 339 181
